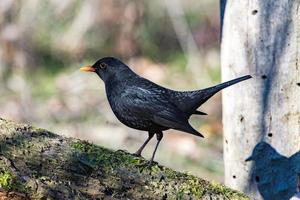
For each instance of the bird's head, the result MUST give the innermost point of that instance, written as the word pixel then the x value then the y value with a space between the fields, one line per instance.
pixel 263 151
pixel 106 67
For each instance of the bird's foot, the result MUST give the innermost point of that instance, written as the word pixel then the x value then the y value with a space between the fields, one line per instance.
pixel 147 163
pixel 137 154
pixel 121 151
pixel 150 163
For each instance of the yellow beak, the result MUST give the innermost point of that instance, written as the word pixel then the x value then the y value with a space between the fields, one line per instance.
pixel 87 69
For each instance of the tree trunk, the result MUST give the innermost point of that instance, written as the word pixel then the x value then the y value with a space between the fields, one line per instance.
pixel 37 164
pixel 261 38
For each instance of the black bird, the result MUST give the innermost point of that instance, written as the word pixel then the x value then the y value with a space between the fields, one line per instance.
pixel 144 105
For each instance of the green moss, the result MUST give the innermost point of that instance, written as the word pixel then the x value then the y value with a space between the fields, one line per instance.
pixel 107 158
pixel 5 180
pixel 187 185
pixel 117 173
pixel 39 130
pixel 221 189
pixel 191 187
pixel 9 182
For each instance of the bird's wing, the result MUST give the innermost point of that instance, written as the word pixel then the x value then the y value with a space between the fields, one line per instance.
pixel 142 102
pixel 136 103
pixel 154 104
pixel 174 119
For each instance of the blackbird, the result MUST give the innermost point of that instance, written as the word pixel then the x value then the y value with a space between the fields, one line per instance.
pixel 144 105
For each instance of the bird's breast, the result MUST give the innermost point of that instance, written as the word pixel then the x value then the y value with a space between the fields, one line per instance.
pixel 127 116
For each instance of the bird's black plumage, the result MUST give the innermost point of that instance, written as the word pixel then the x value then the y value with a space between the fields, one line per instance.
pixel 144 105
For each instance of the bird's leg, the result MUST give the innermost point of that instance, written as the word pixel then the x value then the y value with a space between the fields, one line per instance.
pixel 139 151
pixel 159 136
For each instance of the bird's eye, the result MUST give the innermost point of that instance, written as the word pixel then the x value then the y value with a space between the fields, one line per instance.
pixel 103 65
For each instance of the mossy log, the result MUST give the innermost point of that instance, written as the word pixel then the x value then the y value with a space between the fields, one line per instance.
pixel 38 164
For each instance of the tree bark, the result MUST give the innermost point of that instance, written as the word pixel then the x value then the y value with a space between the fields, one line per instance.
pixel 38 164
pixel 261 38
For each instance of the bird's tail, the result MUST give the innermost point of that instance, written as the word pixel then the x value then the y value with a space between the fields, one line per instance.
pixel 197 98
pixel 229 83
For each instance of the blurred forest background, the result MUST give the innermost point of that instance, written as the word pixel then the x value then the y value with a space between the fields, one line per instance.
pixel 174 43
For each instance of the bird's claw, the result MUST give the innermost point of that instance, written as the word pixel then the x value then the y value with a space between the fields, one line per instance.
pixel 121 151
pixel 148 163
pixel 137 155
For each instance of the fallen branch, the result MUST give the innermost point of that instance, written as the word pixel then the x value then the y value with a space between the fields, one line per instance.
pixel 35 163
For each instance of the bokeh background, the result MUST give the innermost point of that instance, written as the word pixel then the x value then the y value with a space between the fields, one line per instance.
pixel 174 43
